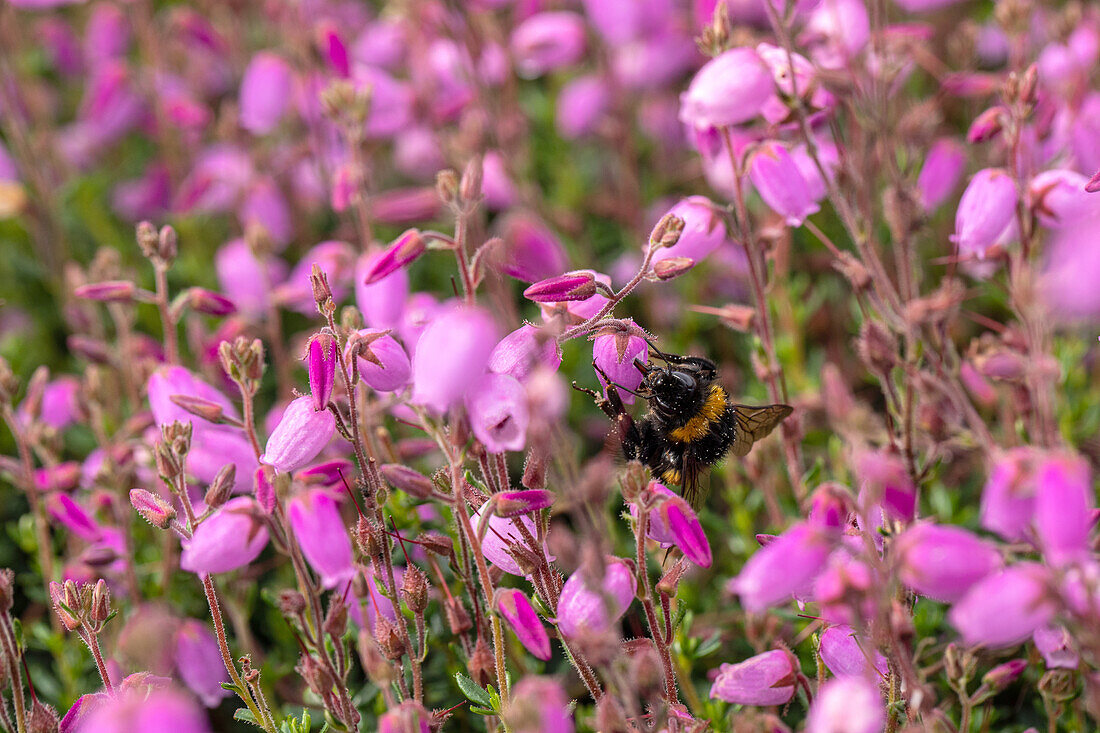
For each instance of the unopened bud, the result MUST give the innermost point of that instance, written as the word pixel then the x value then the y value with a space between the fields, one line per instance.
pixel 667 232
pixel 986 125
pixel 206 301
pixel 41 718
pixel 101 602
pixel 389 640
pixel 167 244
pixel 481 663
pixel 109 291
pixel 207 410
pixel 877 347
pixel 469 188
pixel 446 185
pixel 437 544
pixel 7 589
pixel 672 267
pixel 510 504
pixel 336 619
pixel 221 488
pixel 291 602
pixel 410 481
pixel 575 286
pixel 318 281
pixel 414 588
pixel 147 238
pixel 377 667
pixel 153 509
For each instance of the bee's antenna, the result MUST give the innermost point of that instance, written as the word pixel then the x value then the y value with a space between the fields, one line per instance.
pixel 660 354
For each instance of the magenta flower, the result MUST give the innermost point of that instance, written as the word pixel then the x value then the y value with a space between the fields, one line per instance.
pixel 393 371
pixel 401 252
pixel 514 607
pixel 766 679
pixel 615 354
pixel 531 251
pixel 582 105
pixel 315 518
pixel 677 521
pixel 730 89
pixel 519 353
pixel 510 504
pixel 986 209
pixel 1008 499
pixel 71 515
pixel 582 607
pixel 547 41
pixel 848 704
pixel 538 705
pixel 837 31
pixel 785 566
pixel 301 434
pixel 1063 509
pixel 779 182
pixel 161 709
pixel 391 108
pixel 322 370
pixel 500 535
pixel 60 407
pixel 497 407
pixel 1072 267
pixel 563 288
pixel 383 301
pixel 1057 647
pixel 265 92
pixel 231 538
pixel 848 655
pixel 1005 608
pixel 704 230
pixel 199 662
pixel 335 259
pixel 171 381
pixel 496 185
pixel 929 560
pixel 941 172
pixel 1058 197
pixel 405 206
pixel 408 717
pixel 265 207
pixel 451 354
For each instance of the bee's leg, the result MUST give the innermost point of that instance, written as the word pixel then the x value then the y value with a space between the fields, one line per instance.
pixel 607 380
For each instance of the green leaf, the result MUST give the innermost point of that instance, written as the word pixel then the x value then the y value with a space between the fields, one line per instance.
pixel 473 691
pixel 246 715
pixel 709 646
pixel 482 711
pixel 494 698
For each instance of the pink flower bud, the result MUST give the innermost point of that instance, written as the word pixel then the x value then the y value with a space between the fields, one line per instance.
pixel 730 89
pixel 783 567
pixel 496 185
pixel 941 172
pixel 301 434
pixel 531 251
pixel 391 369
pixel 517 503
pixel 206 301
pixel 766 679
pixel 849 704
pixel 594 608
pixel 1005 608
pixel 573 286
pixel 333 49
pixel 1057 647
pixel 547 41
pixel 930 562
pixel 322 370
pixel 175 380
pixel 678 522
pixel 265 92
pixel 229 539
pixel 615 354
pixel 582 105
pixel 987 125
pixel 71 515
pixel 450 355
pixel 153 509
pixel 110 291
pixel 848 655
pixel 497 407
pixel 383 301
pixel 401 252
pixel 704 230
pixel 405 205
pixel 520 352
pixel 1063 509
pixel 779 182
pixel 1093 185
pixel 986 209
pixel 320 531
pixel 1008 499
pixel 514 607
pixel 670 268
pixel 199 662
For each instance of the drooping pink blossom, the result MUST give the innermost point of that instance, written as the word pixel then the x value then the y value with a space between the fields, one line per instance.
pixel 766 679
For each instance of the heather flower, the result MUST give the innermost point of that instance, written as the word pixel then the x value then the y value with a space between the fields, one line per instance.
pixel 320 531
pixel 1058 197
pixel 265 208
pixel 301 434
pixel 886 488
pixel 538 705
pixel 1008 499
pixel 704 230
pixel 408 717
pixel 230 538
pixel 847 705
pixel 674 519
pixel 766 679
pixel 71 515
pixel 514 607
pixel 594 608
pixel 510 504
pixel 390 370
pixel 730 89
pixel 450 355
pixel 848 655
pixel 1063 509
pixel 171 381
pixel 1057 647
pixel 620 21
pixel 199 662
pixel 520 352
pixel 547 41
pixel 401 252
pixel 133 710
pixel 498 412
pixel 941 172
pixel 500 535
pixel 383 301
pixel 1005 608
pixel 1066 285
pixel 615 354
pixel 106 34
pixel 496 186
pixel 391 102
pixel 837 30
pixel 779 182
pixel 335 259
pixel 405 206
pixel 582 104
pixel 265 92
pixel 985 211
pixel 783 567
pixel 322 370
pixel 60 407
pixel 531 251
pixel 943 562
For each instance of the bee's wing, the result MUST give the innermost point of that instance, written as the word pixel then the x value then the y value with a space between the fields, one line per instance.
pixel 753 423
pixel 694 485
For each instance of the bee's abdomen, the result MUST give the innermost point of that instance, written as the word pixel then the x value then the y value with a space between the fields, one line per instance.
pixel 703 422
pixel 713 446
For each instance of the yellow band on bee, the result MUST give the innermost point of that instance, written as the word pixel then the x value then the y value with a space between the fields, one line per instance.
pixel 671 476
pixel 698 426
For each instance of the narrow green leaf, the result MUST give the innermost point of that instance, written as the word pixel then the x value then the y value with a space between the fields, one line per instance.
pixel 246 715
pixel 473 691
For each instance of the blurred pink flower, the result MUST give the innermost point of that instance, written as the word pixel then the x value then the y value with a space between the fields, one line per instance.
pixel 520 352
pixel 162 709
pixel 451 354
pixel 593 609
pixel 779 182
pixel 783 567
pixel 1057 647
pixel 513 605
pixel 1005 608
pixel 538 705
pixel 547 41
pixel 582 104
pixel 1008 499
pixel 985 211
pixel 498 412
pixel 383 301
pixel 229 539
pixel 704 230
pixel 730 89
pixel 265 92
pixel 847 654
pixel 1064 503
pixel 941 171
pixel 847 705
pixel 531 251
pixel 199 662
pixel 320 531
pixel 301 434
pixel 246 279
pixel 931 560
pixel 766 679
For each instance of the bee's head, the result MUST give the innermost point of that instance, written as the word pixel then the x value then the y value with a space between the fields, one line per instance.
pixel 669 391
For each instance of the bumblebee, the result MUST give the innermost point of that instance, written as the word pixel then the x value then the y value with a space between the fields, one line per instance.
pixel 691 423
